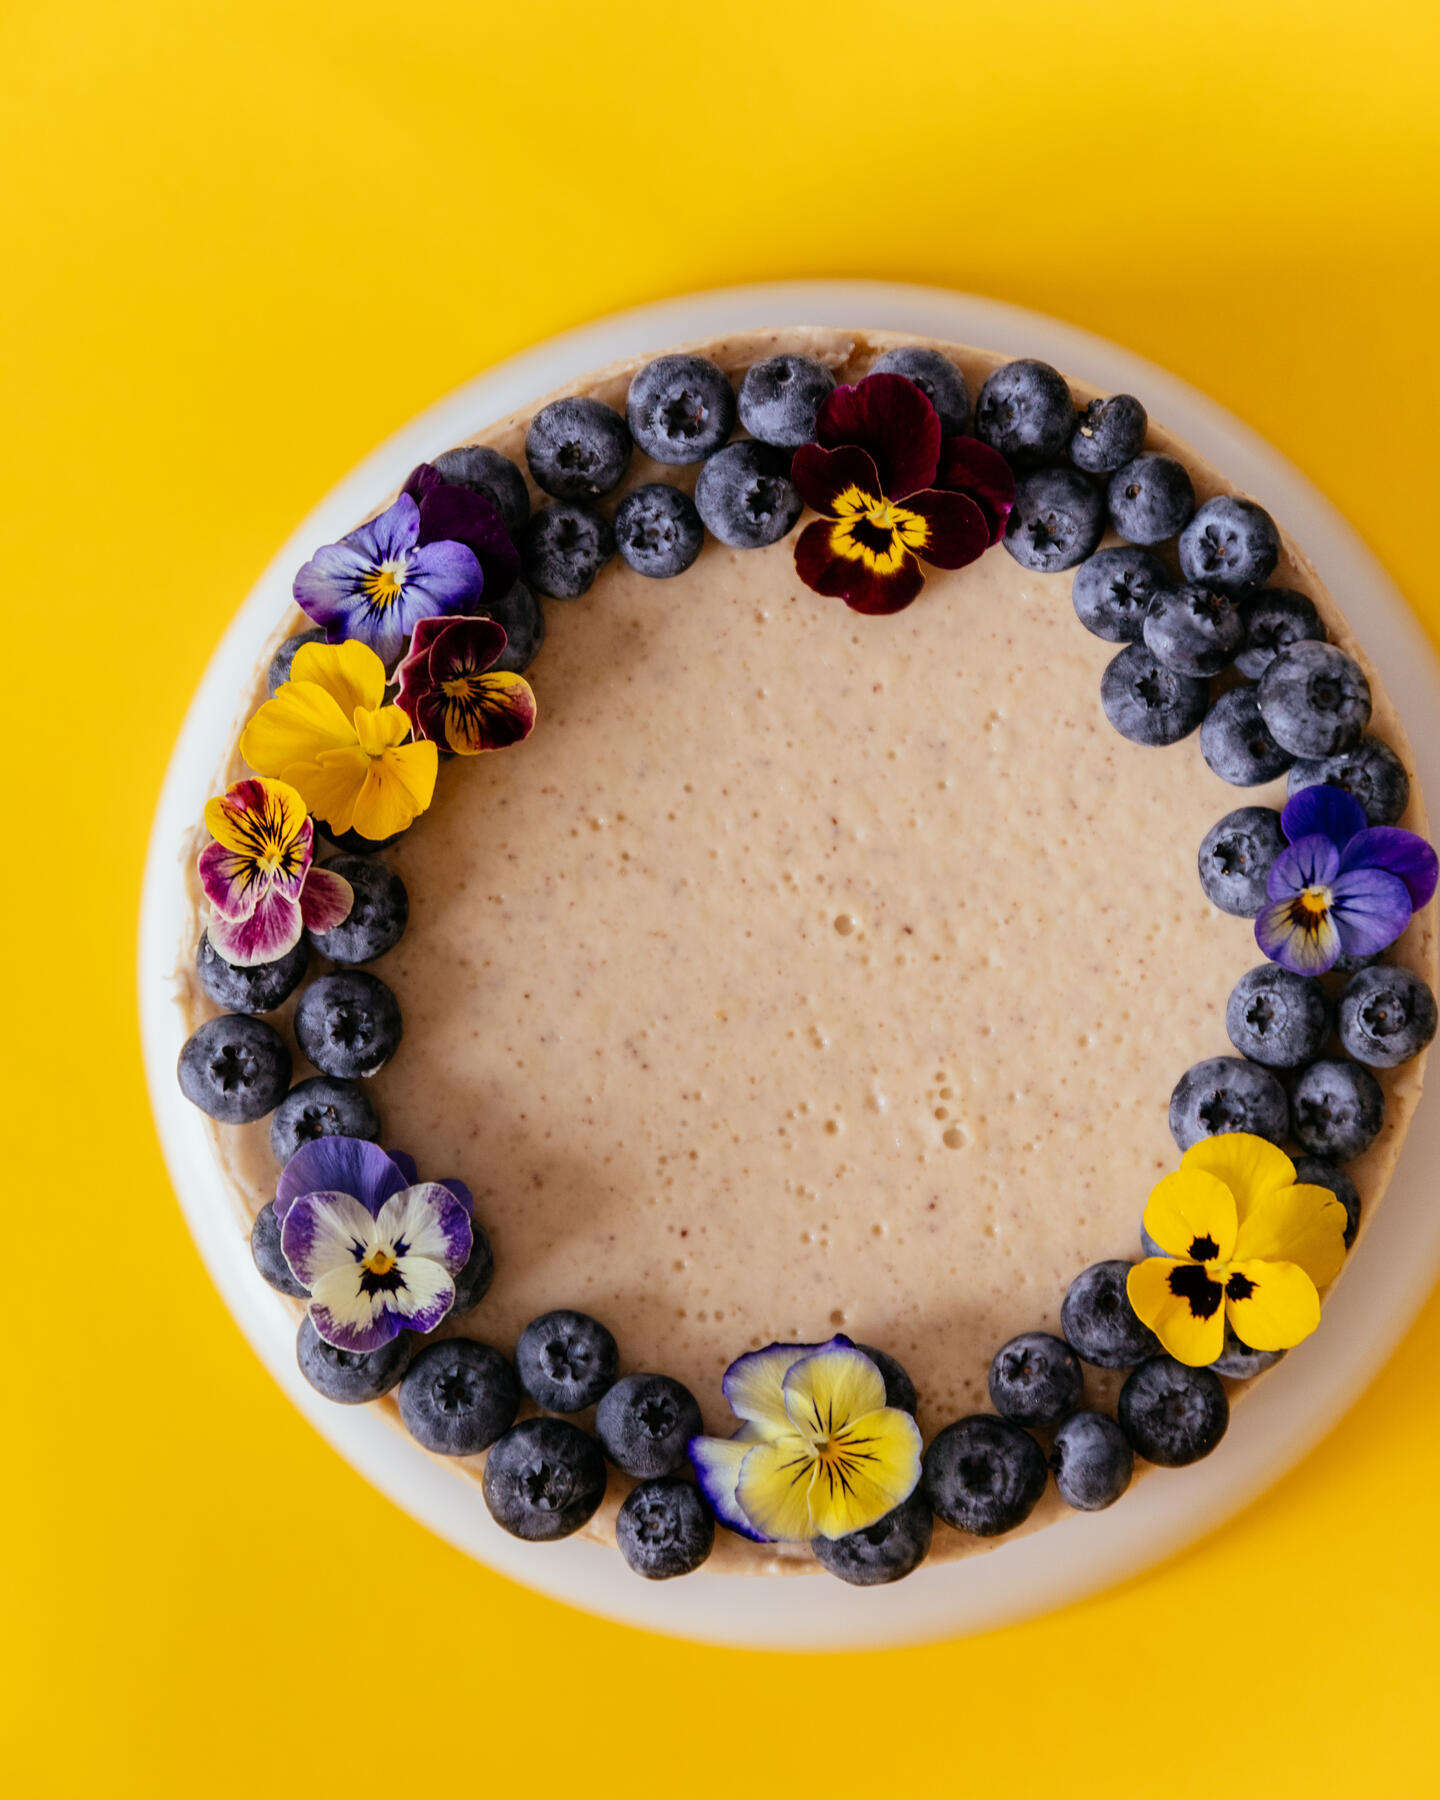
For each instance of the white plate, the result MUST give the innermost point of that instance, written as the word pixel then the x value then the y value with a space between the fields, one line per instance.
pixel 1277 1425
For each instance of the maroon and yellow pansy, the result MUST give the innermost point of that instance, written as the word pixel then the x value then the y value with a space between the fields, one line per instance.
pixel 259 874
pixel 452 693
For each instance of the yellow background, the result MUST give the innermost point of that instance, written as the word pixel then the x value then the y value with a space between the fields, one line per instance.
pixel 242 243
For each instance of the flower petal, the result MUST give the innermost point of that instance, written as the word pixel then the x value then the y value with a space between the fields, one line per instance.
pixel 231 881
pixel 425 1294
pixel 342 1165
pixel 446 574
pixel 294 728
pixel 716 1462
pixel 1303 942
pixel 464 647
pixel 821 475
pixel 428 1221
pixel 773 1488
pixel 1304 1225
pixel 499 711
pixel 390 534
pixel 1311 861
pixel 327 586
pixel 351 673
pixel 1271 1305
pixel 754 1385
pixel 1182 1305
pixel 970 467
pixel 1371 907
pixel 1251 1167
pixel 830 1388
pixel 348 1317
pixel 272 931
pixel 1329 811
pixel 256 817
pixel 1402 853
pixel 323 1232
pixel 398 788
pixel 821 567
pixel 1192 1213
pixel 888 417
pixel 866 1471
pixel 332 784
pixel 958 531
pixel 325 900
pixel 449 511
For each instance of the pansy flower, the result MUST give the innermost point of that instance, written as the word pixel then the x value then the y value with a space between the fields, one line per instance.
pixel 450 512
pixel 452 694
pixel 378 1251
pixel 1342 887
pixel 1244 1242
pixel 818 1454
pixel 259 874
pixel 328 733
pixel 892 496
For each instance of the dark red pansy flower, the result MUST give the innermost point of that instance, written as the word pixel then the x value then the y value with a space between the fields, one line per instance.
pixel 459 515
pixel 451 692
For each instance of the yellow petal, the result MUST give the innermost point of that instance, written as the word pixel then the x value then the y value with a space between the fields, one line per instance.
pixel 268 827
pixel 294 727
pixel 1192 1214
pixel 398 787
pixel 1250 1166
pixel 1281 1309
pixel 1302 1225
pixel 754 1386
pixel 332 785
pixel 381 729
pixel 864 1472
pixel 1191 1336
pixel 831 1388
pixel 774 1488
pixel 351 673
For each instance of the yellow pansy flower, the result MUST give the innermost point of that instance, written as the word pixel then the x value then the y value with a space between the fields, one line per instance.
pixel 328 733
pixel 1243 1242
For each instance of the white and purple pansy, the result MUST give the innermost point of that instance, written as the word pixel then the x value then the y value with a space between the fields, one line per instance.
pixel 378 1250
pixel 259 875
pixel 1342 887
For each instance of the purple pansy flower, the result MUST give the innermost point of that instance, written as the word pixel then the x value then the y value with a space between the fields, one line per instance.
pixel 459 514
pixel 1342 887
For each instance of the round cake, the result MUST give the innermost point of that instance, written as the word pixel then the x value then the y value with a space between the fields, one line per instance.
pixel 852 875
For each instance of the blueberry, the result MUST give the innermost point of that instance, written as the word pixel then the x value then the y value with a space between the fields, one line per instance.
pixel 321 1107
pixel 1371 771
pixel 472 1283
pixel 680 409
pixel 1057 520
pixel 1193 630
pixel 1092 1461
pixel 351 1377
pixel 1238 1362
pixel 983 1475
pixel 1225 1093
pixel 458 1397
pixel 746 497
pixel 257 989
pixel 378 917
pixel 577 448
pixel 355 843
pixel 645 1424
pixel 544 1479
pixel 563 549
pixel 1314 1173
pixel 1338 1109
pixel 664 1529
pixel 888 1550
pixel 348 1023
pixel 1387 1015
pixel 279 671
pixel 1026 413
pixel 1113 590
pixel 937 378
pixel 1171 1414
pixel 1315 699
pixel 1148 703
pixel 1347 964
pixel 1236 857
pixel 1108 434
pixel 566 1360
pixel 779 399
pixel 1099 1322
pixel 485 471
pixel 236 1068
pixel 1276 1018
pixel 1277 618
pixel 523 620
pixel 1151 498
pixel 1035 1379
pixel 270 1258
pixel 1230 545
pixel 658 531
pixel 899 1388
pixel 1236 741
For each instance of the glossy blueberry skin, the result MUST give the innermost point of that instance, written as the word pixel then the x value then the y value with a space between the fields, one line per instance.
pixel 1151 498
pixel 1108 434
pixel 578 448
pixel 1026 413
pixel 350 1377
pixel 983 1475
pixel 1372 772
pixel 1236 856
pixel 1148 703
pixel 563 549
pixel 664 1529
pixel 1173 1415
pixel 1313 1172
pixel 472 1283
pixel 1236 742
pixel 269 1258
pixel 543 1480
pixel 1276 1018
pixel 899 1388
pixel 645 1424
pixel 1315 699
pixel 566 1360
pixel 1386 1016
pixel 259 989
pixel 321 1107
pixel 1057 520
pixel 680 409
pixel 1238 1362
pixel 1226 1093
pixel 378 917
pixel 1231 545
pixel 1338 1109
pixel 1100 1324
pixel 457 1397
pixel 279 671
pixel 1194 631
pixel 888 1550
pixel 1113 590
pixel 658 531
pixel 1035 1379
pixel 780 398
pixel 1092 1461
pixel 348 1024
pixel 937 378
pixel 523 619
pixel 746 497
pixel 485 471
pixel 235 1068
pixel 1275 619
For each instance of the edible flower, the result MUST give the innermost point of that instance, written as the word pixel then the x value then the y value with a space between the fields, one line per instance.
pixel 1244 1242
pixel 1342 887
pixel 458 514
pixel 378 1251
pixel 818 1454
pixel 452 694
pixel 892 496
pixel 328 733
pixel 259 874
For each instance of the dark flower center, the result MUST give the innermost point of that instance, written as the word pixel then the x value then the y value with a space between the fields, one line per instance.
pixel 1190 1283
